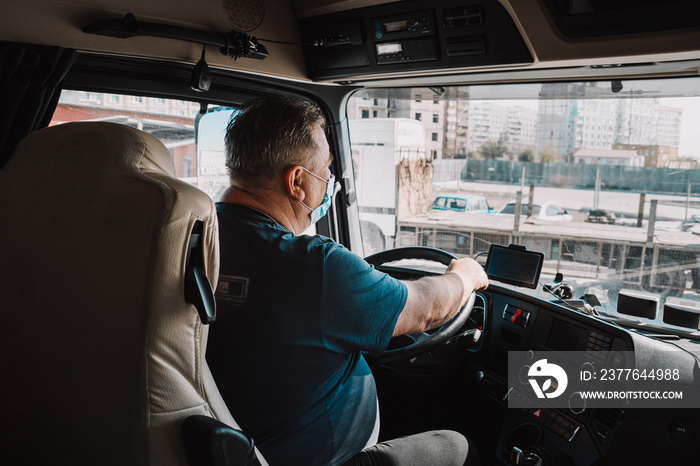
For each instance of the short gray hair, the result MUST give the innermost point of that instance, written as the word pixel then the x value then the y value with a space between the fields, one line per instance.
pixel 269 135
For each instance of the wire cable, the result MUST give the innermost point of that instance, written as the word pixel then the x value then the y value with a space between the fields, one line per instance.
pixel 284 42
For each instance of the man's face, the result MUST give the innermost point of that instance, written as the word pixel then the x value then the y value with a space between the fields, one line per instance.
pixel 321 159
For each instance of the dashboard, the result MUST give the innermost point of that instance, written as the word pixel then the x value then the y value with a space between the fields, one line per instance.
pixel 575 435
pixel 511 319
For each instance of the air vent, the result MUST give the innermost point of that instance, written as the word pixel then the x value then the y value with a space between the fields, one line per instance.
pixel 603 422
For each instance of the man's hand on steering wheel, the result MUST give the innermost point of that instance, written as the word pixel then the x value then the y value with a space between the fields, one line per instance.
pixel 471 273
pixel 472 277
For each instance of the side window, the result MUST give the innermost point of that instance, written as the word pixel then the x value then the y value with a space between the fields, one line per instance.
pixel 459 205
pixel 211 129
pixel 196 142
pixel 508 209
pixel 172 121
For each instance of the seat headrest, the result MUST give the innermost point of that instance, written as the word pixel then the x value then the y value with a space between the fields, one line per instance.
pixel 75 144
pixel 156 158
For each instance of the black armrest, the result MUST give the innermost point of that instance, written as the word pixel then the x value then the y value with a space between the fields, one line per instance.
pixel 209 442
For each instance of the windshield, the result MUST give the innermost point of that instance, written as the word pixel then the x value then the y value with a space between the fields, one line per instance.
pixel 510 209
pixel 610 171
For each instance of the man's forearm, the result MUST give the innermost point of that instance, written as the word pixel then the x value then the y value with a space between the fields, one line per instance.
pixel 431 302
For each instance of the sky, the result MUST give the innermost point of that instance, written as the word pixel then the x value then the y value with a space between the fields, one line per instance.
pixel 690 124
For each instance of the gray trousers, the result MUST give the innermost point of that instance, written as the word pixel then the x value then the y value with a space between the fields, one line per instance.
pixel 434 448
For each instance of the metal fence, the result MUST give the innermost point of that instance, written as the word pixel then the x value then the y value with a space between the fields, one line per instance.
pixel 652 267
pixel 612 177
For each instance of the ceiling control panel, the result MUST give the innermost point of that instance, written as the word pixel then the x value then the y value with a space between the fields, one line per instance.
pixel 418 35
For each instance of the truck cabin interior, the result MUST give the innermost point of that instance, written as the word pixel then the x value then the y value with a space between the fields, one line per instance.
pixel 109 249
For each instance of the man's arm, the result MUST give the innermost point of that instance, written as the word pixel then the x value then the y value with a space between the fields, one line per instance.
pixel 432 301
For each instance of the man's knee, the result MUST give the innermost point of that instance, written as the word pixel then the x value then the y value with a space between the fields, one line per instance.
pixel 451 440
pixel 434 448
pixel 444 448
pixel 462 449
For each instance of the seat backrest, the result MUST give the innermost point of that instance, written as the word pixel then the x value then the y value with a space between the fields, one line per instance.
pixel 102 358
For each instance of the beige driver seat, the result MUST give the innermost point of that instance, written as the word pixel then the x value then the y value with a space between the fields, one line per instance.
pixel 101 355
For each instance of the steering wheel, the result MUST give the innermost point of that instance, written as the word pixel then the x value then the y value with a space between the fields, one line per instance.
pixel 423 342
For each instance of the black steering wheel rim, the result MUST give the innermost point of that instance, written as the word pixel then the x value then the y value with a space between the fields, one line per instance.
pixel 411 252
pixel 443 333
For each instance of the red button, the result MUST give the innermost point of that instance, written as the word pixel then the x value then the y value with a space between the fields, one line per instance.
pixel 517 316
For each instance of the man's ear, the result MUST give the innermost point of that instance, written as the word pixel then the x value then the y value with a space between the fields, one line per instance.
pixel 293 183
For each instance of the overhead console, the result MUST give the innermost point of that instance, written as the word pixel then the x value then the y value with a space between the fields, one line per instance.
pixel 411 36
pixel 593 18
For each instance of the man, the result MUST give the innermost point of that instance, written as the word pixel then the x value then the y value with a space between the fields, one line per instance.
pixel 296 311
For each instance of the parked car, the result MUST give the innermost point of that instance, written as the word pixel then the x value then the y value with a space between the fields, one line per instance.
pixel 546 211
pixel 601 216
pixel 691 224
pixel 463 203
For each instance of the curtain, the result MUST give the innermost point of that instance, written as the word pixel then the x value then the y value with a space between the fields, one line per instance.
pixel 31 78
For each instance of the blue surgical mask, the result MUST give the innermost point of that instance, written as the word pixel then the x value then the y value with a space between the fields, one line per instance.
pixel 331 188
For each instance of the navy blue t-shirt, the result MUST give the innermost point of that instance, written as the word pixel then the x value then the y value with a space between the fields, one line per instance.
pixel 294 313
